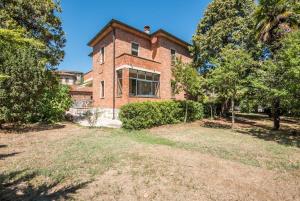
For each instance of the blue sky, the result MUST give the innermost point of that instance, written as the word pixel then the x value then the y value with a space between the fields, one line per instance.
pixel 82 19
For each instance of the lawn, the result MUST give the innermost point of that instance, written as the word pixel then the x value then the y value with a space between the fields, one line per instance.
pixel 199 161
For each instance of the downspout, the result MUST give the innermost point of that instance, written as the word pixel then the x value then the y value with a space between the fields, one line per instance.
pixel 114 73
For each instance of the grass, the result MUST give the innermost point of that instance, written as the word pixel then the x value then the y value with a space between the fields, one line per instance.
pixel 80 154
pixel 227 145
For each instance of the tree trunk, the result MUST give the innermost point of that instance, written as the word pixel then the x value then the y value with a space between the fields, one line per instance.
pixel 232 113
pixel 211 112
pixel 276 116
pixel 186 111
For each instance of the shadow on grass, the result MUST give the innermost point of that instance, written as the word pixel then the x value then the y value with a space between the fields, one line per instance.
pixel 288 135
pixel 16 186
pixel 285 137
pixel 30 128
pixel 3 156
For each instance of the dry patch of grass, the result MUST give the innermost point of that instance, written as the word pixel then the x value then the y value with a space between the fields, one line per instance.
pixel 178 162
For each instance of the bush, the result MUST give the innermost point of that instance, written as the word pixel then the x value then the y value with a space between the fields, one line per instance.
pixel 53 105
pixel 150 114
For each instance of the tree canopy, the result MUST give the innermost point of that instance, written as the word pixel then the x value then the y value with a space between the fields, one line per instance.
pixel 31 42
pixel 229 77
pixel 39 20
pixel 224 22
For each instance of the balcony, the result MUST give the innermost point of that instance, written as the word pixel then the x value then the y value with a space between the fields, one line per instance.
pixel 128 59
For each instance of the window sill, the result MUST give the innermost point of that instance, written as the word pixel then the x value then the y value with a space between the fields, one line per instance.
pixel 156 97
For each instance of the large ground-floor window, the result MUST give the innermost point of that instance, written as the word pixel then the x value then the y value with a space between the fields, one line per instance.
pixel 144 84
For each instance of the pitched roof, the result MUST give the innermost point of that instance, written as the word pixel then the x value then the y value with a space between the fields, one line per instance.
pixel 76 88
pixel 117 22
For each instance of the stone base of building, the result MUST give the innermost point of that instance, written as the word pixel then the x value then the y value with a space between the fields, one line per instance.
pixel 95 117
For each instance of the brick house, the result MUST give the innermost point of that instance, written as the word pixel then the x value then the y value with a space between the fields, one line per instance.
pixel 70 77
pixel 130 65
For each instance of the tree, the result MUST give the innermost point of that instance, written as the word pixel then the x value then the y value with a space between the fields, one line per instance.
pixel 229 77
pixel 274 18
pixel 39 20
pixel 288 57
pixel 187 79
pixel 277 79
pixel 224 22
pixel 21 61
pixel 53 104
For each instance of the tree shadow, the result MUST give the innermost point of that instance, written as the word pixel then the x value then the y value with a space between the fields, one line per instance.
pixel 288 135
pixel 16 186
pixel 215 124
pixel 3 156
pixel 285 137
pixel 10 128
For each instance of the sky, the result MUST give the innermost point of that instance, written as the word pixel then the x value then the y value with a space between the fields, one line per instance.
pixel 83 19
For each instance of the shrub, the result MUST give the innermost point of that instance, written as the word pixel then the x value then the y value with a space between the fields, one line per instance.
pixel 150 114
pixel 53 105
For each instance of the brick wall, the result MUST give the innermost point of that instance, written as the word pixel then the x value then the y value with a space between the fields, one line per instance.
pixel 154 54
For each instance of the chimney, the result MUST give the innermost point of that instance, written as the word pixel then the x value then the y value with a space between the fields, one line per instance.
pixel 147 29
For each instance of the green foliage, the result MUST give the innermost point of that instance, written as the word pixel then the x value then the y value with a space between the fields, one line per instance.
pixel 187 79
pixel 39 20
pixel 275 18
pixel 248 106
pixel 228 77
pixel 279 78
pixel 31 42
pixel 3 77
pixel 289 58
pixel 224 22
pixel 150 114
pixel 55 101
pixel 21 90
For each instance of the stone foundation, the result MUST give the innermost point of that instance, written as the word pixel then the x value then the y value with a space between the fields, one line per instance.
pixel 95 117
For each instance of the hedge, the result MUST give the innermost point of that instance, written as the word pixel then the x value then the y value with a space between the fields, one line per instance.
pixel 150 114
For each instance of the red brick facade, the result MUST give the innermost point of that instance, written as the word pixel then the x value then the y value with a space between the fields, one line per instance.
pixel 154 55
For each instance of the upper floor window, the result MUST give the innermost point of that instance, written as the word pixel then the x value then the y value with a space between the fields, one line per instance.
pixel 173 56
pixel 101 55
pixel 134 49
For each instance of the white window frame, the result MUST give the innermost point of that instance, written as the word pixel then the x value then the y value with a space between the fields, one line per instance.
pixel 138 50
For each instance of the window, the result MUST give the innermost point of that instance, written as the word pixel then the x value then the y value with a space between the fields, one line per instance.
pixel 67 80
pixel 119 82
pixel 173 57
pixel 102 89
pixel 143 83
pixel 135 49
pixel 101 56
